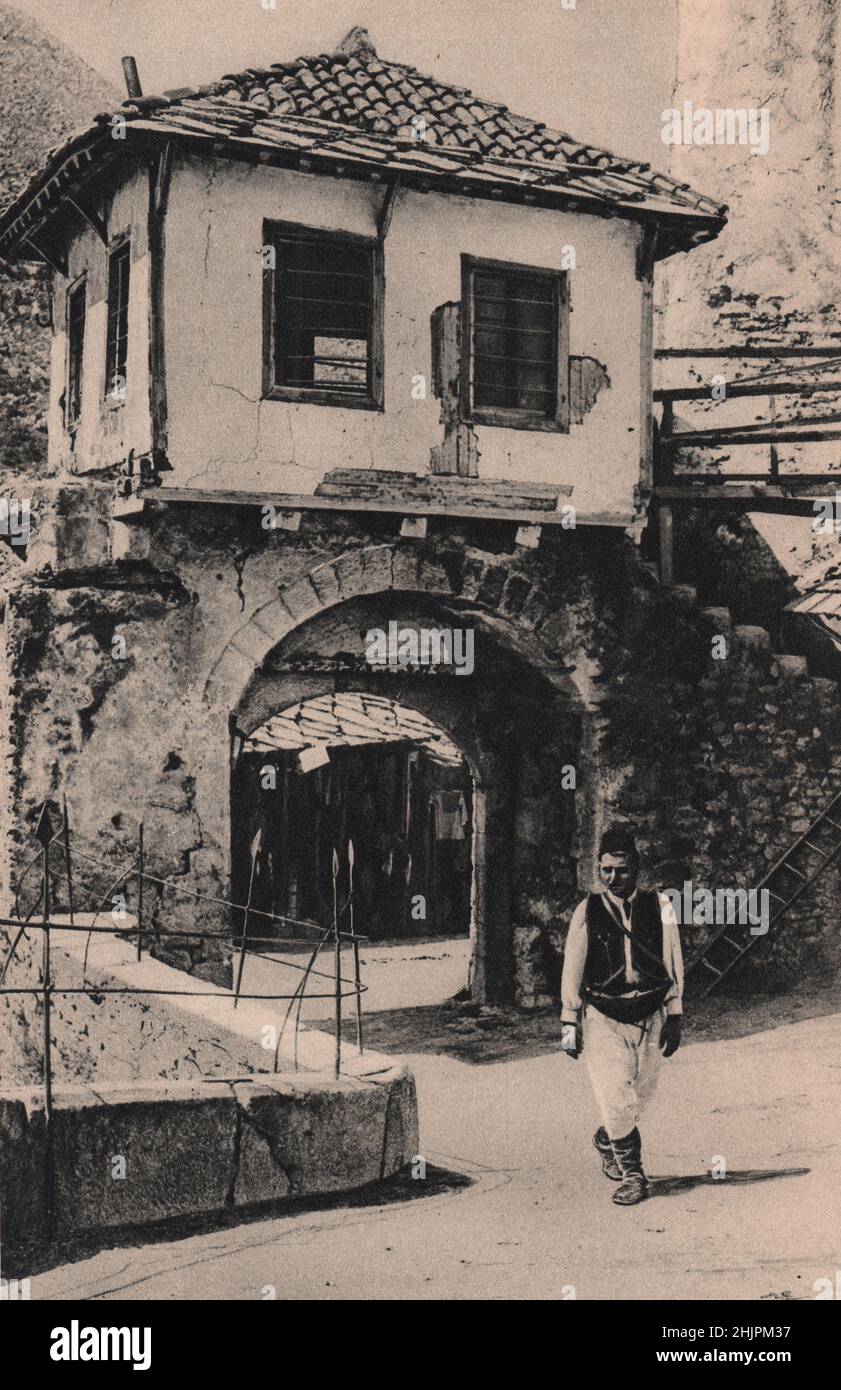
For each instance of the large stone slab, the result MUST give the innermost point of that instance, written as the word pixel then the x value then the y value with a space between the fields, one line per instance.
pixel 138 1155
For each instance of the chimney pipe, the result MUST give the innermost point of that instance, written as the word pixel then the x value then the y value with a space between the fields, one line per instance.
pixel 132 77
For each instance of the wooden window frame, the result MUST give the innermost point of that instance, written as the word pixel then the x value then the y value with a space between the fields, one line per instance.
pixel 558 421
pixel 122 243
pixel 273 232
pixel 71 423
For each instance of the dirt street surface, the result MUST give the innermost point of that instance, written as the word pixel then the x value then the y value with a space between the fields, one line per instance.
pixel 513 1204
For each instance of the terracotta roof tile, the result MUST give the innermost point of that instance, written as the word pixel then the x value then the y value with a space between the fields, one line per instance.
pixel 355 89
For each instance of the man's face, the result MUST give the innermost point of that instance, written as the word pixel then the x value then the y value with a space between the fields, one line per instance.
pixel 618 873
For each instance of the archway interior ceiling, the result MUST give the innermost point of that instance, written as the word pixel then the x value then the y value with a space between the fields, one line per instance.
pixel 351 720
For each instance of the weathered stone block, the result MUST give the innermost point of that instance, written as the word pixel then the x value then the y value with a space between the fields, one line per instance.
pixel 23 1170
pixel 405 568
pixel 301 599
pixel 325 583
pixel 319 1134
pixel 174 1143
pixel 376 568
pixel 755 638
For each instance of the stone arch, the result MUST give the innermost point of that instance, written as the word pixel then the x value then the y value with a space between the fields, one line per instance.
pixel 401 568
pixel 509 599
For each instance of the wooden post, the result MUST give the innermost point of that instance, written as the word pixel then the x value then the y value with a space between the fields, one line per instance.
pixel 666 534
pixel 140 869
pixel 255 850
pixel 68 866
pixel 48 989
pixel 356 972
pixel 773 452
pixel 337 941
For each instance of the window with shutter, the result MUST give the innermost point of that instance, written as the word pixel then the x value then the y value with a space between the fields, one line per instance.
pixel 323 318
pixel 516 361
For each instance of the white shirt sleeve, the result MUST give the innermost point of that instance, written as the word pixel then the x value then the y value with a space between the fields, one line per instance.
pixel 575 956
pixel 672 955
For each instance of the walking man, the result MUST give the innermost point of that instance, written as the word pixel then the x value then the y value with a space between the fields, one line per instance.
pixel 623 971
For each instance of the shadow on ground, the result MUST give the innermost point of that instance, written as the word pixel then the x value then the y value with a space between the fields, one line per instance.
pixel 671 1187
pixel 456 1028
pixel 402 1187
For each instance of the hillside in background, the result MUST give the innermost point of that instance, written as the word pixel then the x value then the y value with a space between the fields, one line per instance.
pixel 46 93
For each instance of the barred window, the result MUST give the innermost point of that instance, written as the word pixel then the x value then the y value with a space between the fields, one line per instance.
pixel 323 309
pixel 76 305
pixel 116 350
pixel 515 367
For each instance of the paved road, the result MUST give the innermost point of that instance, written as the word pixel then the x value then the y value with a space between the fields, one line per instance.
pixel 532 1217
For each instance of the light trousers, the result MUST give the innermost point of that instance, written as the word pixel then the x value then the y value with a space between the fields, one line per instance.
pixel 623 1061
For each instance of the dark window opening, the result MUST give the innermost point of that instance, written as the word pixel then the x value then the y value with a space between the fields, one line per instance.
pixel 116 352
pixel 517 358
pixel 323 334
pixel 76 303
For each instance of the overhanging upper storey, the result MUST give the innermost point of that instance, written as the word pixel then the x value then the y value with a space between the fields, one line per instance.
pixel 349 114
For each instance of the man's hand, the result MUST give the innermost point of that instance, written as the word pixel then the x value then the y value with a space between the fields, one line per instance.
pixel 571 1039
pixel 670 1034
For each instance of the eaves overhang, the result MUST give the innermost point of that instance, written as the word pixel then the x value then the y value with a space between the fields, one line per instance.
pixel 325 148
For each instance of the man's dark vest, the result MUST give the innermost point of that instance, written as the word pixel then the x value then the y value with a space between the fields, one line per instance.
pixel 605 984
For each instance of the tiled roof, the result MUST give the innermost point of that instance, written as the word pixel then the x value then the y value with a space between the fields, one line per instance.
pixel 351 720
pixel 350 112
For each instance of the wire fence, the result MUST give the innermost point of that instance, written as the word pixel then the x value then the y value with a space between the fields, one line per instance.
pixel 58 861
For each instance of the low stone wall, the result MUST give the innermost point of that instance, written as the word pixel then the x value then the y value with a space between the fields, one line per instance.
pixel 135 1156
pixel 178 1114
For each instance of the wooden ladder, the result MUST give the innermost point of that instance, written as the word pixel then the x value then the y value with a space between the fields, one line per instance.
pixel 788 879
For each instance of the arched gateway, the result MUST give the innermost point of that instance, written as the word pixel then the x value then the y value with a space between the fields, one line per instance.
pixel 520 717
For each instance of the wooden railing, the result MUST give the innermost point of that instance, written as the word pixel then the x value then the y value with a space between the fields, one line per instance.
pixel 792 492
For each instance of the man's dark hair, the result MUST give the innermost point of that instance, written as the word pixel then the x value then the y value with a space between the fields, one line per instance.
pixel 618 840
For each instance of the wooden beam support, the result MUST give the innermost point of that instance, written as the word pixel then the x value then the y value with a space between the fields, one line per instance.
pixel 775 502
pixel 163 173
pixel 823 430
pixel 386 211
pixel 88 212
pixel 53 257
pixel 665 533
pixel 160 171
pixel 733 350
pixel 528 536
pixel 457 509
pixel 787 387
pixel 647 251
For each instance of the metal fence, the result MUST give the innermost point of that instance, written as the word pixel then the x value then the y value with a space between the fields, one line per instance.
pixel 59 858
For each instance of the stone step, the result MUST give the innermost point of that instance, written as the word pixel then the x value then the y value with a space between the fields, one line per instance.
pixel 721 618
pixel 758 638
pixel 790 667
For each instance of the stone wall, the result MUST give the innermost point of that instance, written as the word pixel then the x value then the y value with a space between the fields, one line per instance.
pixel 582 660
pixel 774 269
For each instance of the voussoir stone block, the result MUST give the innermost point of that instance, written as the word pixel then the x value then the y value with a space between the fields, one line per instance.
pixel 301 598
pixel 376 568
pixel 404 569
pixel 326 583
